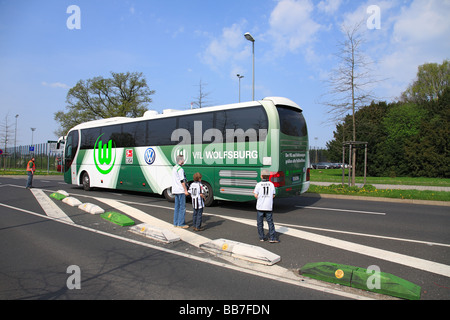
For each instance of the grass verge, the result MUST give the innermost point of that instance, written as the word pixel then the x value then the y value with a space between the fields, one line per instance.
pixel 371 191
pixel 12 172
pixel 335 176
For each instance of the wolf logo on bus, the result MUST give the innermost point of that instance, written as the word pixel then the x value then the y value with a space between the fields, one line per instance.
pixel 104 153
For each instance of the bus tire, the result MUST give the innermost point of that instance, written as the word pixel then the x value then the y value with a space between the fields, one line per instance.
pixel 169 195
pixel 209 196
pixel 86 181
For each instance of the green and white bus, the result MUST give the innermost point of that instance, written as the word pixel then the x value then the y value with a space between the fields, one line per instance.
pixel 229 145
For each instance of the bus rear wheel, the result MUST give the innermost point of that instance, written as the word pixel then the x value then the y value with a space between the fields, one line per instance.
pixel 209 197
pixel 169 195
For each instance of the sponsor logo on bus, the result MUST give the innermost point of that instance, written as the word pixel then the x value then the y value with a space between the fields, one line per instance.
pixel 149 156
pixel 103 155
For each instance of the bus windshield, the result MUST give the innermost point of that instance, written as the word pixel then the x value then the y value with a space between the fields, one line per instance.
pixel 71 149
pixel 292 122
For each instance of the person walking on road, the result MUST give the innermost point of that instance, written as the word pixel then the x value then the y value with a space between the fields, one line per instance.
pixel 31 168
pixel 264 193
pixel 179 190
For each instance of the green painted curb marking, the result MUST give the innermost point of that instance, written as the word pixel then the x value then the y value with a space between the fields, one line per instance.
pixel 360 278
pixel 117 218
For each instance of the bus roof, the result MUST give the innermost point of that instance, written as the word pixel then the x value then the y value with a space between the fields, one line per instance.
pixel 173 113
pixel 283 101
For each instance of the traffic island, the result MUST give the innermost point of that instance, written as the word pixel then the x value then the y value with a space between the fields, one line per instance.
pixel 91 208
pixel 155 233
pixel 117 218
pixel 241 251
pixel 366 279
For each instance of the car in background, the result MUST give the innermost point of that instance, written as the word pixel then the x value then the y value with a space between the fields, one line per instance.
pixel 323 165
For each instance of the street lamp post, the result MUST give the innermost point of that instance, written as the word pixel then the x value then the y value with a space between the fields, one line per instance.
pixel 15 142
pixel 32 137
pixel 249 37
pixel 239 77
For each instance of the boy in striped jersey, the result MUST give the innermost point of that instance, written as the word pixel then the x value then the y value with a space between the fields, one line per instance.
pixel 196 192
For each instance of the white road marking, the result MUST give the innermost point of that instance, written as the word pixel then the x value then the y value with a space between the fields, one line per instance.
pixel 185 235
pixel 409 261
pixel 366 235
pixel 269 272
pixel 342 210
pixel 50 208
pixel 417 263
pixel 398 258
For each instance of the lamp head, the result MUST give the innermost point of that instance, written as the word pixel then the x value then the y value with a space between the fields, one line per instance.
pixel 249 37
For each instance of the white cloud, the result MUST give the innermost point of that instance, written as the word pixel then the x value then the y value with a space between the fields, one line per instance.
pixel 291 28
pixel 55 85
pixel 229 48
pixel 329 6
pixel 420 34
pixel 425 21
pixel 412 33
pixel 291 24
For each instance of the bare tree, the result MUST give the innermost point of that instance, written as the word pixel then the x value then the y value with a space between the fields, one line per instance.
pixel 201 100
pixel 349 83
pixel 5 136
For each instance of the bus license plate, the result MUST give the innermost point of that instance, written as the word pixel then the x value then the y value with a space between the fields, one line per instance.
pixel 295 178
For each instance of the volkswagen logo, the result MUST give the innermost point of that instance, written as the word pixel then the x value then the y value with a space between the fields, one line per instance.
pixel 150 156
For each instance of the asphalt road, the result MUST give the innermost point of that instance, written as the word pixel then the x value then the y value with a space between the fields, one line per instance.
pixel 409 241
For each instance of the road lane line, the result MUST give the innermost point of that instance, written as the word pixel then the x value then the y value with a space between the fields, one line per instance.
pixel 19 209
pixel 366 235
pixel 275 273
pixel 185 235
pixel 398 258
pixel 50 208
pixel 413 262
pixel 342 210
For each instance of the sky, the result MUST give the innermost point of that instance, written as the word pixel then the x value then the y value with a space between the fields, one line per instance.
pixel 46 48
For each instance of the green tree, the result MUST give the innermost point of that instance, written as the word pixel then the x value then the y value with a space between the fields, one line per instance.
pixel 401 123
pixel 428 151
pixel 369 128
pixel 122 95
pixel 432 80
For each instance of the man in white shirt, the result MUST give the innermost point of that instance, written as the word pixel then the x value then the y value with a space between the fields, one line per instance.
pixel 179 190
pixel 264 193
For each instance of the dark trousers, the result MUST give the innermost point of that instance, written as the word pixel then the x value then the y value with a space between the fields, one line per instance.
pixel 260 223
pixel 30 179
